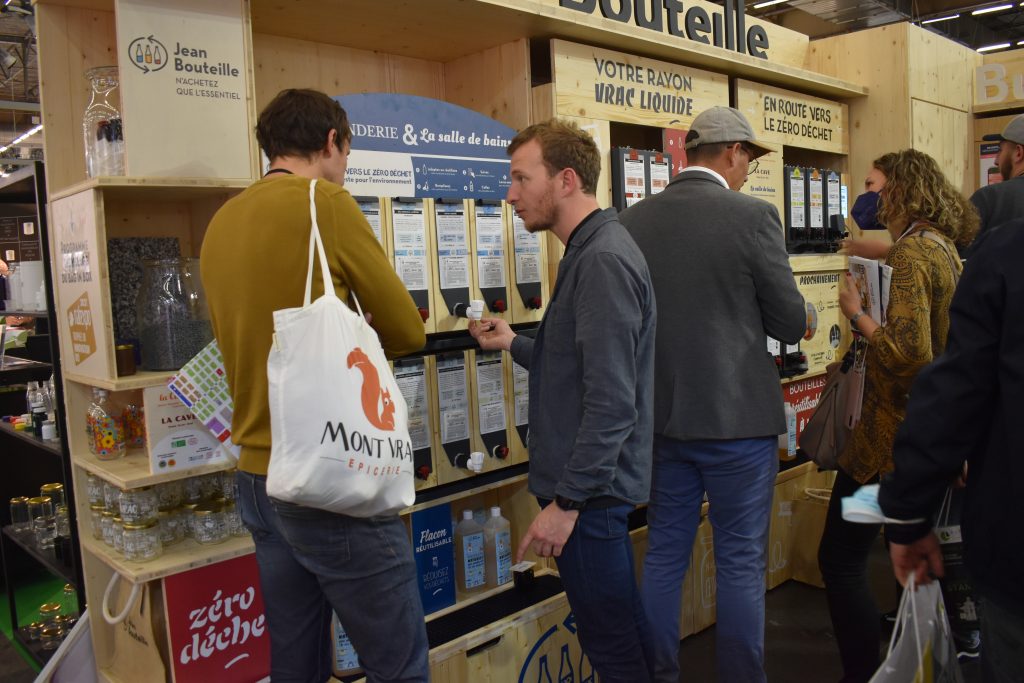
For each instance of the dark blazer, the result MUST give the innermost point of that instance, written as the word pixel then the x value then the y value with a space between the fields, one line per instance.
pixel 723 283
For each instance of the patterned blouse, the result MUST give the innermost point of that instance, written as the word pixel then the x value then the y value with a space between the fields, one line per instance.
pixel 917 321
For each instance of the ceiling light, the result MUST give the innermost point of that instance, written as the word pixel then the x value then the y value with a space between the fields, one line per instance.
pixel 768 3
pixel 1020 42
pixel 995 8
pixel 29 133
pixel 932 21
pixel 987 48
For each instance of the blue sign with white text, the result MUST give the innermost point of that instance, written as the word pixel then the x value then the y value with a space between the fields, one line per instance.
pixel 434 549
pixel 410 146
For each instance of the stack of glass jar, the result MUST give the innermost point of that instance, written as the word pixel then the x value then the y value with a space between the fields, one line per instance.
pixel 42 519
pixel 55 620
pixel 140 522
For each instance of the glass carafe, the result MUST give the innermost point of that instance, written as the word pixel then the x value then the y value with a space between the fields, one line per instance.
pixel 173 319
pixel 101 125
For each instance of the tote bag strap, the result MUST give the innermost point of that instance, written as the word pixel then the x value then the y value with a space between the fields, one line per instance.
pixel 316 245
pixel 928 234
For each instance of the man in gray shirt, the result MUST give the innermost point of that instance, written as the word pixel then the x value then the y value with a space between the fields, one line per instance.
pixel 591 394
pixel 723 283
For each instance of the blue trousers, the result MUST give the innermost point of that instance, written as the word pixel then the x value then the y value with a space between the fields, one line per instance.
pixel 738 476
pixel 312 561
pixel 596 567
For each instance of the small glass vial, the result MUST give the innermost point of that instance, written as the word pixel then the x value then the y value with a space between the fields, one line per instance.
pixel 117 534
pixel 96 517
pixel 187 515
pixel 94 485
pixel 139 505
pixel 235 525
pixel 210 523
pixel 172 526
pixel 169 495
pixel 107 525
pixel 142 542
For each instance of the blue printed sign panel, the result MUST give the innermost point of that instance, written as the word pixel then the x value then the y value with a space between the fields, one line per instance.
pixel 410 146
pixel 434 549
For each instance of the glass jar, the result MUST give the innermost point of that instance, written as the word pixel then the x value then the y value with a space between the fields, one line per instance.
pixel 168 495
pixel 111 496
pixel 172 526
pixel 210 486
pixel 48 613
pixel 106 427
pixel 101 125
pixel 49 638
pixel 192 490
pixel 33 630
pixel 138 505
pixel 229 484
pixel 69 601
pixel 117 534
pixel 20 521
pixel 94 485
pixel 62 522
pixel 142 542
pixel 173 321
pixel 134 418
pixel 55 492
pixel 210 523
pixel 96 518
pixel 107 525
pixel 234 517
pixel 187 515
pixel 44 524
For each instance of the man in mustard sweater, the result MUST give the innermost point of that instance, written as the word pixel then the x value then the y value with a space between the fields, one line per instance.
pixel 253 262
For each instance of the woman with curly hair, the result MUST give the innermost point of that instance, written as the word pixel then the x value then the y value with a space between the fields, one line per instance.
pixel 926 217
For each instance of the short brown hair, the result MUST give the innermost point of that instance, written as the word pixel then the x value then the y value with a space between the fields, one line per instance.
pixel 297 121
pixel 563 145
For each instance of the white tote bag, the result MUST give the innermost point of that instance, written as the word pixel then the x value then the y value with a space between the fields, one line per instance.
pixel 338 422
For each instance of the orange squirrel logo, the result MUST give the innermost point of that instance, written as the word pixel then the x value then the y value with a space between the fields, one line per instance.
pixel 374 398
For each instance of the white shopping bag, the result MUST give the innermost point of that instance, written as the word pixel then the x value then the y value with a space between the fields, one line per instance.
pixel 339 424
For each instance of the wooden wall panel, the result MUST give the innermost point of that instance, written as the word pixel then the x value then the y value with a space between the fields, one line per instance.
pixel 70 42
pixel 495 83
pixel 947 135
pixel 941 71
pixel 288 63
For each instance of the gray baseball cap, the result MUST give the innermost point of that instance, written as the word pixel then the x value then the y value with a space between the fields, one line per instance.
pixel 1014 132
pixel 723 124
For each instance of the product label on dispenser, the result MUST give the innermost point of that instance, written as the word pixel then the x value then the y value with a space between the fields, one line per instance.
pixel 490 388
pixel 634 177
pixel 503 550
pixel 527 251
pixel 490 247
pixel 453 399
pixel 473 556
pixel 452 246
pixel 412 381
pixel 371 210
pixel 817 199
pixel 410 235
pixel 521 389
pixel 796 198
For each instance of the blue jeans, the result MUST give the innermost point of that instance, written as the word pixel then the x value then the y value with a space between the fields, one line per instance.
pixel 738 476
pixel 311 561
pixel 596 567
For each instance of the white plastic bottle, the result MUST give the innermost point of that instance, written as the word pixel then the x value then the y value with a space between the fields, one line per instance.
pixel 469 555
pixel 498 549
pixel 787 441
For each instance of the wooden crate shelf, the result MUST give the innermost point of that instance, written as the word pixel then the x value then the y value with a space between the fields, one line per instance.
pixel 161 189
pixel 132 471
pixel 139 380
pixel 180 557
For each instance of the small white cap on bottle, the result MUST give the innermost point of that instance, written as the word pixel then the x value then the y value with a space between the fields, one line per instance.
pixel 467 514
pixel 476 461
pixel 476 309
pixel 495 511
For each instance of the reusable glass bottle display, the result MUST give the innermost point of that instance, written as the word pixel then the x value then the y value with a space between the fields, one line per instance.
pixel 102 129
pixel 173 319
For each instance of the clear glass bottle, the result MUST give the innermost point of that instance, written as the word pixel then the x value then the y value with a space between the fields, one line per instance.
pixel 173 321
pixel 102 128
pixel 107 427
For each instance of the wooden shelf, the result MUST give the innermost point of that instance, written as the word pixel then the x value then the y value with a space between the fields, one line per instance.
pixel 132 471
pixel 139 380
pixel 47 558
pixel 160 189
pixel 25 314
pixel 16 370
pixel 805 263
pixel 180 557
pixel 31 438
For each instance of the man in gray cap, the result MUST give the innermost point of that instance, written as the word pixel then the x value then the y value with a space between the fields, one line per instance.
pixel 1003 202
pixel 723 284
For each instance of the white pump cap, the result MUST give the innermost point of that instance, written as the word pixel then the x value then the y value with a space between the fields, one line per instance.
pixel 476 309
pixel 467 514
pixel 476 462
